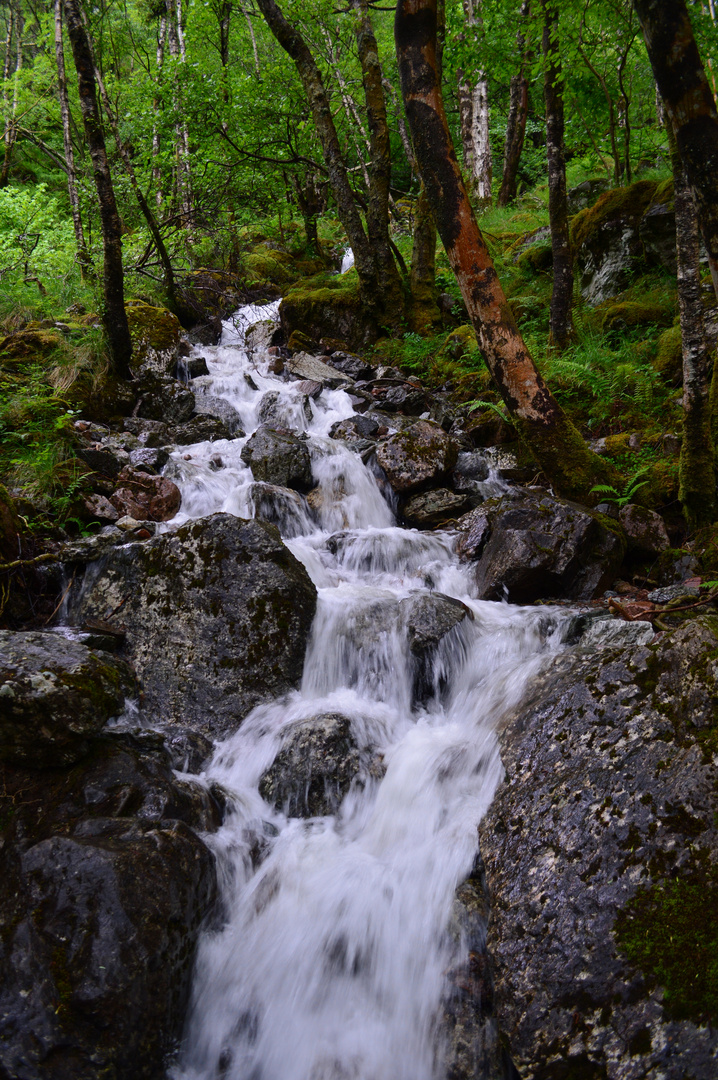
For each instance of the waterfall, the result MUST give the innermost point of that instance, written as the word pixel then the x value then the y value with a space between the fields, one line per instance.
pixel 328 959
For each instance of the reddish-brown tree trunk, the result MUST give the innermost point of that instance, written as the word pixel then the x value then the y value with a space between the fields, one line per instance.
pixel 558 447
pixel 516 121
pixel 690 105
pixel 562 295
pixel 114 315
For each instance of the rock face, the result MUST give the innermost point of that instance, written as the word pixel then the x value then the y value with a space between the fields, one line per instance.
pixel 54 695
pixel 529 546
pixel 279 458
pixel 601 849
pixel 314 769
pixel 645 530
pixel 216 618
pixel 103 888
pixel 414 458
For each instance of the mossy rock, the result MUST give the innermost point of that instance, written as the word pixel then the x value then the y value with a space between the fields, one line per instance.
pixel 265 265
pixel 627 203
pixel 30 344
pixel 536 259
pixel 629 313
pixel 460 341
pixel 327 306
pixel 668 361
pixel 155 333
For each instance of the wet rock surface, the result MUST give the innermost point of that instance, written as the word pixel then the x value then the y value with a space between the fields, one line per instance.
pixel 216 617
pixel 429 619
pixel 315 768
pixel 529 545
pixel 278 457
pixel 104 885
pixel 416 457
pixel 55 694
pixel 601 849
pixel 145 497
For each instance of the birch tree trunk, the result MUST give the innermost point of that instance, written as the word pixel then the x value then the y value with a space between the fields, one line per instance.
pixel 82 254
pixel 175 41
pixel 560 325
pixel 697 465
pixel 114 315
pixel 556 444
pixel 474 117
pixel 10 132
pixel 518 112
pixel 690 105
pixel 157 109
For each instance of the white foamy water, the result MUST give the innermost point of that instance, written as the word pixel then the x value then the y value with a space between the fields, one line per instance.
pixel 330 955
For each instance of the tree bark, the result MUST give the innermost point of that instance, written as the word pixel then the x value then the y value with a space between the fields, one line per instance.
pixel 175 40
pixel 562 295
pixel 690 105
pixel 474 117
pixel 156 111
pixel 425 310
pixel 557 446
pixel 10 133
pixel 293 43
pixel 82 253
pixel 697 462
pixel 114 315
pixel 516 121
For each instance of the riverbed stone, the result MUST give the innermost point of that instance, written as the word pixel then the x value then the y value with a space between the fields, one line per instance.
pixel 145 497
pixel 645 531
pixel 104 886
pixel 430 508
pixel 306 366
pixel 417 457
pixel 55 694
pixel 315 768
pixel 278 457
pixel 216 617
pixel 165 399
pixel 207 404
pixel 529 546
pixel 601 848
pixel 429 618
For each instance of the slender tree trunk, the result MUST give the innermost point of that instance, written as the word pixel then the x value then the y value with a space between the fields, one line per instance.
pixel 425 309
pixel 82 253
pixel 697 462
pixel 474 118
pixel 518 112
pixel 156 110
pixel 10 133
pixel 377 215
pixel 292 42
pixel 560 325
pixel 401 124
pixel 690 105
pixel 175 41
pixel 114 315
pixel 558 447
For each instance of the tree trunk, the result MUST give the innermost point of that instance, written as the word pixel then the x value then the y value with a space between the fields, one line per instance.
pixel 292 42
pixel 562 295
pixel 114 315
pixel 516 121
pixel 156 111
pixel 175 40
pixel 697 463
pixel 425 310
pixel 10 133
pixel 557 446
pixel 377 215
pixel 690 105
pixel 82 253
pixel 474 118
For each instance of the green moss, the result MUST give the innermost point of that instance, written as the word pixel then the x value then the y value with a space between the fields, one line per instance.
pixel 153 329
pixel 460 341
pixel 627 314
pixel 535 259
pixel 670 932
pixel 269 265
pixel 620 203
pixel 668 361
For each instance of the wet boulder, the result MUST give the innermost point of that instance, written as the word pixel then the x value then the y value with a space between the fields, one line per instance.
pixel 281 506
pixel 601 847
pixel 145 497
pixel 315 768
pixel 407 399
pixel 164 399
pixel 352 365
pixel 104 886
pixel 258 336
pixel 151 459
pixel 278 457
pixel 471 469
pixel 431 508
pixel 279 410
pixel 529 546
pixel 55 694
pixel 202 428
pixel 429 619
pixel 155 334
pixel 355 427
pixel 306 366
pixel 207 404
pixel 420 455
pixel 645 531
pixel 216 618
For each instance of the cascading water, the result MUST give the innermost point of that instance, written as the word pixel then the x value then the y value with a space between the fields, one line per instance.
pixel 330 959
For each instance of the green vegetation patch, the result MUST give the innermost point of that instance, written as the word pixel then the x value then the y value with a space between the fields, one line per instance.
pixel 670 932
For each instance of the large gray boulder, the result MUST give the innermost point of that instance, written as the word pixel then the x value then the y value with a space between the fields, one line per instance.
pixel 421 455
pixel 529 546
pixel 104 886
pixel 55 695
pixel 429 619
pixel 216 617
pixel 279 458
pixel 601 848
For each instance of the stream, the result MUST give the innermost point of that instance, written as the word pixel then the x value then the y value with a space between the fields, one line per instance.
pixel 329 960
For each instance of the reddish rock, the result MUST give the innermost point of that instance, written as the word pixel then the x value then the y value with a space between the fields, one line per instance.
pixel 145 497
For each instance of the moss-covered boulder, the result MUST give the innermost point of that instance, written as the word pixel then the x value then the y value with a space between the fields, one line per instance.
pixel 419 457
pixel 668 360
pixel 601 849
pixel 616 318
pixel 54 695
pixel 30 344
pixel 536 258
pixel 460 341
pixel 657 229
pixel 265 264
pixel 328 307
pixel 606 240
pixel 155 333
